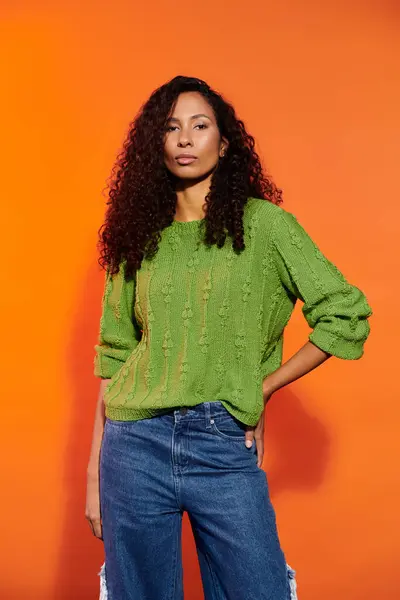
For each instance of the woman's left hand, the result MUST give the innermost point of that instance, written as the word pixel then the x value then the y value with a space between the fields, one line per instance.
pixel 257 432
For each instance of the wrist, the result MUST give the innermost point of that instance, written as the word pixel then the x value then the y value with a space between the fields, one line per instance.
pixel 268 386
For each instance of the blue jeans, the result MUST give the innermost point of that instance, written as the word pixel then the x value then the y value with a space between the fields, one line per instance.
pixel 195 460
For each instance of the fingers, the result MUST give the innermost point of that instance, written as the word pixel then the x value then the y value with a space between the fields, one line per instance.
pixel 259 448
pixel 97 529
pixel 95 526
pixel 260 455
pixel 249 437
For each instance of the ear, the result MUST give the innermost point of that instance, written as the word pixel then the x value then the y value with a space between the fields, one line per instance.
pixel 223 147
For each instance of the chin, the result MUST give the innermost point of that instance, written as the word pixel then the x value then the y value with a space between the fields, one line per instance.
pixel 187 174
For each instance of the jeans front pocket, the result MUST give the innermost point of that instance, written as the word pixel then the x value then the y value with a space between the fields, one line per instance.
pixel 228 427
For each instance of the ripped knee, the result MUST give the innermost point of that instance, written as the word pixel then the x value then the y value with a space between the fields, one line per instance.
pixel 291 574
pixel 103 583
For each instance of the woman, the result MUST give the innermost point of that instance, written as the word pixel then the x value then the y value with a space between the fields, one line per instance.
pixel 203 270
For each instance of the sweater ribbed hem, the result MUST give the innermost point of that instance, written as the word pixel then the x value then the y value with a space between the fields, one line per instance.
pixel 122 413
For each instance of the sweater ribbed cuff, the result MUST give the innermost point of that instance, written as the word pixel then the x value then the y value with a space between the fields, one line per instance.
pixel 105 367
pixel 338 346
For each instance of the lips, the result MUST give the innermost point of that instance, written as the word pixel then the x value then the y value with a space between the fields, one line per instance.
pixel 185 159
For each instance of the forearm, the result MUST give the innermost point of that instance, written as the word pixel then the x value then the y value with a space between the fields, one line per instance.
pixel 98 429
pixel 305 360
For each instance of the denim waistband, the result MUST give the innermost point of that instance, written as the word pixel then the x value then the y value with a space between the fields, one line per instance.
pixel 202 411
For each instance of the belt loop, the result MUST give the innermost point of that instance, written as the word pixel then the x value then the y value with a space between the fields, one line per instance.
pixel 207 414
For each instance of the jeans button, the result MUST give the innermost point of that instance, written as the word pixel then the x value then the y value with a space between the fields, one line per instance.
pixel 183 410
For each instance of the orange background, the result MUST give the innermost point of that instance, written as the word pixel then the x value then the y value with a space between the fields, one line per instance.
pixel 318 86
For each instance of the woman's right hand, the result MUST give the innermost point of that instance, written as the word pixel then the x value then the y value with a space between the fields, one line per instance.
pixel 92 512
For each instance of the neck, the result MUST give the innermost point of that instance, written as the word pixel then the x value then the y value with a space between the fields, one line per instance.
pixel 190 197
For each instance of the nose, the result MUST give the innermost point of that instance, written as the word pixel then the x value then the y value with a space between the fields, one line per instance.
pixel 184 139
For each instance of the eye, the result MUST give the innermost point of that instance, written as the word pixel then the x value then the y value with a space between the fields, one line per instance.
pixel 201 126
pixel 171 128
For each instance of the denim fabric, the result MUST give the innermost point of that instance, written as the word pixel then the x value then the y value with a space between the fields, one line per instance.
pixel 195 460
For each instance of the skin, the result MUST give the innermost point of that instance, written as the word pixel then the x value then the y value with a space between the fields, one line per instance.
pixel 192 128
pixel 92 509
pixel 305 360
pixel 200 136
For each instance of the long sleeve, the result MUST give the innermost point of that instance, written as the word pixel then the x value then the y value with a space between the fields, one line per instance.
pixel 119 332
pixel 336 310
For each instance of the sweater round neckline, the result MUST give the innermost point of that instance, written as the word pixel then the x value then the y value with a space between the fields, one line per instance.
pixel 187 224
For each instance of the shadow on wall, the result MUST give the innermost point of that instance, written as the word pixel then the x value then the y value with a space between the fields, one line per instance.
pixel 298 442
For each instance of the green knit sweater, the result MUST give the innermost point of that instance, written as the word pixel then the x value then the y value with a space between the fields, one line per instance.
pixel 202 323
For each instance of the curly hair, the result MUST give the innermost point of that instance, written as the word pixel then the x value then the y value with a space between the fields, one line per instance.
pixel 142 197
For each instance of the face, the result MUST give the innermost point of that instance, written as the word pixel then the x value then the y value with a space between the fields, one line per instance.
pixel 193 143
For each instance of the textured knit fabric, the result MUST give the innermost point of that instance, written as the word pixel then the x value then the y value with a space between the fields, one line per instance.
pixel 200 323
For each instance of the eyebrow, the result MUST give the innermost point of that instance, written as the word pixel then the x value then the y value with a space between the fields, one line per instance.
pixel 192 117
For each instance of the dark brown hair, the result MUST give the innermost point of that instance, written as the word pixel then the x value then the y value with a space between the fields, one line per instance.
pixel 142 196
